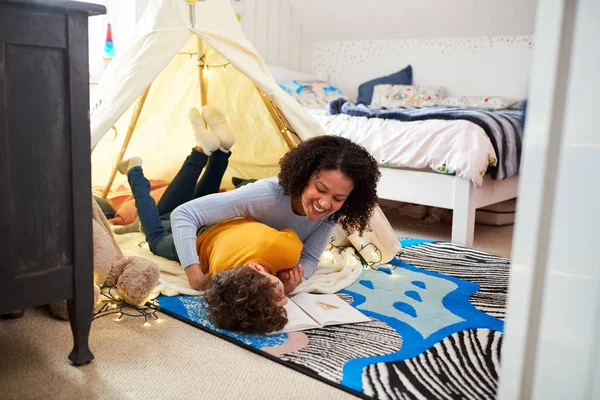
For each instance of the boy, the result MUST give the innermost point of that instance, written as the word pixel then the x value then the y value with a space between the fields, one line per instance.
pixel 249 298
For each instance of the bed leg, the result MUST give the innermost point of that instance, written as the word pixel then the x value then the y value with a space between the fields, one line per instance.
pixel 463 220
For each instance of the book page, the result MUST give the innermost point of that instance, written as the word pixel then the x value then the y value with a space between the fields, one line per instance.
pixel 329 309
pixel 298 320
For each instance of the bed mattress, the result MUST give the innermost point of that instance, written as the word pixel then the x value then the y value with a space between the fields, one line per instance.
pixel 446 146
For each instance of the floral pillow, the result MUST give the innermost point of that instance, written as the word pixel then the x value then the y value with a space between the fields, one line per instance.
pixel 393 96
pixel 482 102
pixel 311 94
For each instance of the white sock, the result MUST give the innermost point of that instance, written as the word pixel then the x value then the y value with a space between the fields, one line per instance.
pixel 125 165
pixel 204 138
pixel 219 126
pixel 135 226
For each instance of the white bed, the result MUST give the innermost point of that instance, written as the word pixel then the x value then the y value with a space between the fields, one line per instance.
pixel 457 147
pixel 423 146
pixel 446 191
pixel 496 66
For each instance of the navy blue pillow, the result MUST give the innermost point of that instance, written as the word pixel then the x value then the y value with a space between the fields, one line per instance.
pixel 365 91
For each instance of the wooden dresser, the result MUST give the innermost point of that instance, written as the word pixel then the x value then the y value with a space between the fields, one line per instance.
pixel 45 194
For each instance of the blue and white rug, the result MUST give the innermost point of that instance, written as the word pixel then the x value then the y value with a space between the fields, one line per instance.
pixel 436 331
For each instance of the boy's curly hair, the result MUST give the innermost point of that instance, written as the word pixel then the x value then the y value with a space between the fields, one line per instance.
pixel 324 153
pixel 241 299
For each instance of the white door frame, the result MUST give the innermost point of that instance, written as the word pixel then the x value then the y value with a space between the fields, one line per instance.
pixel 550 344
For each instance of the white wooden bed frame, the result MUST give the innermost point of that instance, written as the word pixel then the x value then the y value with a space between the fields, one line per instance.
pixel 446 191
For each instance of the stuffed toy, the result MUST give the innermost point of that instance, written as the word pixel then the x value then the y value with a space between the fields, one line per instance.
pixel 134 277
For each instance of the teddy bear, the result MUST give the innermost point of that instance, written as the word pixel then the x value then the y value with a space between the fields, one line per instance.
pixel 134 277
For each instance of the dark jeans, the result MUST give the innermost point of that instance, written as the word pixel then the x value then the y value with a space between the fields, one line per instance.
pixel 155 218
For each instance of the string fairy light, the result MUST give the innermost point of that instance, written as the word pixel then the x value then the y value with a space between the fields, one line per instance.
pixel 286 128
pixel 206 70
pixel 328 255
pixel 114 304
pixel 207 67
pixel 202 63
pixel 375 253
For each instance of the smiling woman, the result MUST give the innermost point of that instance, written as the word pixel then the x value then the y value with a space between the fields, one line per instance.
pixel 331 176
pixel 324 195
pixel 323 181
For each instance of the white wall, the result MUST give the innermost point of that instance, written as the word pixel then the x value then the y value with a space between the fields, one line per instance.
pixel 477 66
pixel 283 31
pixel 399 19
pixel 272 27
pixel 305 35
pixel 122 17
pixel 470 47
pixel 276 32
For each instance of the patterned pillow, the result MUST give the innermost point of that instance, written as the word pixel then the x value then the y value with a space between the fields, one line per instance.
pixel 393 96
pixel 311 94
pixel 402 77
pixel 483 102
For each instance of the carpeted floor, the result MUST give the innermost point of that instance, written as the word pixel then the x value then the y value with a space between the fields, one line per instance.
pixel 496 240
pixel 166 361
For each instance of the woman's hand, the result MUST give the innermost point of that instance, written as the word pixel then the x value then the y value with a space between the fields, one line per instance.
pixel 197 279
pixel 291 278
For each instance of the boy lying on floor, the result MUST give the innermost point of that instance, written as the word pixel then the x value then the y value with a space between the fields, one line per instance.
pixel 249 298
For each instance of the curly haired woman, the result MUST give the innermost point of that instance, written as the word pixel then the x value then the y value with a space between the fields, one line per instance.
pixel 325 180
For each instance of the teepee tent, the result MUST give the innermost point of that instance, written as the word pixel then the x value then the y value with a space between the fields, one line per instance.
pixel 188 53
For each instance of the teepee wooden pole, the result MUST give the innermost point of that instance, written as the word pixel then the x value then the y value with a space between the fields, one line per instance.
pixel 132 123
pixel 201 78
pixel 290 139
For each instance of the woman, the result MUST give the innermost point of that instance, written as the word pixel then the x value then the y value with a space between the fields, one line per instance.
pixel 325 180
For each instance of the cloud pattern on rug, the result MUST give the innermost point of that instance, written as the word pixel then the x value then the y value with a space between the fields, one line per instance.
pixel 409 296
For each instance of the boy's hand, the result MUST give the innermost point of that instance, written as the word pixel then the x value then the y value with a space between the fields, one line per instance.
pixel 197 279
pixel 291 278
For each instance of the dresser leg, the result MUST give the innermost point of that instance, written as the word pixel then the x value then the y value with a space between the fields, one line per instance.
pixel 13 315
pixel 81 309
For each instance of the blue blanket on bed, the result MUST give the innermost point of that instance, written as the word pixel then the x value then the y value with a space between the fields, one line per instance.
pixel 503 127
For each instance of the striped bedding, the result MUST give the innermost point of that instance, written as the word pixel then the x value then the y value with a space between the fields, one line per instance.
pixel 449 147
pixel 504 128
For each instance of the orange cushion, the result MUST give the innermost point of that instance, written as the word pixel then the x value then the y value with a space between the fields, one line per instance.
pixel 123 202
pixel 127 213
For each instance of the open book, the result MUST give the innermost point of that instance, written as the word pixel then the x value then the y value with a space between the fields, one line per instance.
pixel 309 311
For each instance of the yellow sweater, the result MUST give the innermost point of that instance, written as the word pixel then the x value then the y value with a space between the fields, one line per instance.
pixel 239 241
